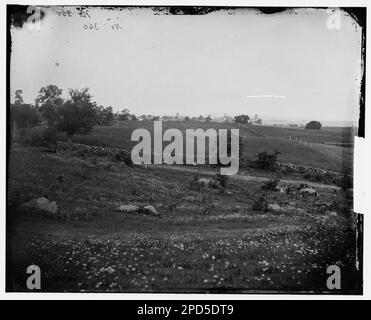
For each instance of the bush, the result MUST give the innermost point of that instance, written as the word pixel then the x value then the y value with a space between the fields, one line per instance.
pixel 260 204
pixel 194 185
pixel 49 135
pixel 207 202
pixel 270 185
pixel 24 115
pixel 346 182
pixel 266 161
pixel 222 180
pixel 39 137
pixel 123 156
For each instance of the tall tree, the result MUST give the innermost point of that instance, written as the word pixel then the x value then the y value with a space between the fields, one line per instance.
pixel 18 97
pixel 313 125
pixel 48 101
pixel 78 114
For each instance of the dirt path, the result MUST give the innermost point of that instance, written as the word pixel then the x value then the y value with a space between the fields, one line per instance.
pixel 247 177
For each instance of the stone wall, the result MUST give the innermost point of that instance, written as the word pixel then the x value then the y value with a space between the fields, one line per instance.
pixel 90 150
pixel 311 173
pixel 307 172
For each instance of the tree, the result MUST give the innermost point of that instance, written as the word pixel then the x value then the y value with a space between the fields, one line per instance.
pixel 18 96
pixel 24 115
pixel 48 101
pixel 242 118
pixel 104 115
pixel 78 114
pixel 313 125
pixel 124 115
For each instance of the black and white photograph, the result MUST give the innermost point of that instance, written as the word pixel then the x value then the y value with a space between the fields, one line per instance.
pixel 183 149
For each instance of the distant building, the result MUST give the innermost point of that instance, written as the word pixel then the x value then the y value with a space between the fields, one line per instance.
pixel 225 118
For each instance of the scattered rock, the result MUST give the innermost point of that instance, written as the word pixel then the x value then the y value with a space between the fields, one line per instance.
pixel 205 182
pixel 308 191
pixel 281 189
pixel 274 207
pixel 130 208
pixel 333 214
pixel 208 183
pixel 236 208
pixel 43 204
pixel 127 208
pixel 150 210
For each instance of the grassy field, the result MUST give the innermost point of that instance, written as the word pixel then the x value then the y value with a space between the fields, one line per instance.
pixel 334 158
pixel 205 241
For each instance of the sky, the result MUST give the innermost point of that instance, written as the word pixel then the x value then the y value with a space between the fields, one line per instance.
pixel 282 66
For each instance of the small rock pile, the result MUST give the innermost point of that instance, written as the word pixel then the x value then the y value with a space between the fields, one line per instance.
pixel 130 208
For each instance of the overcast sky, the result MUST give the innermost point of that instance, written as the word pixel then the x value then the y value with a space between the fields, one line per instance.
pixel 284 66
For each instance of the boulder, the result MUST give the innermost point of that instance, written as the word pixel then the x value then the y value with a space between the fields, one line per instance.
pixel 43 204
pixel 281 189
pixel 332 214
pixel 127 208
pixel 130 208
pixel 274 207
pixel 308 191
pixel 208 183
pixel 150 210
pixel 204 182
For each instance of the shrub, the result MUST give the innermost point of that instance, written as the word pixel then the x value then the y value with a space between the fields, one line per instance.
pixel 207 202
pixel 266 161
pixel 346 182
pixel 270 185
pixel 194 185
pixel 123 156
pixel 49 135
pixel 222 180
pixel 24 115
pixel 40 137
pixel 260 204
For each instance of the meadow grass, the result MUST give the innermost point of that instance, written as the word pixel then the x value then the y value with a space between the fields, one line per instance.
pixel 335 158
pixel 89 247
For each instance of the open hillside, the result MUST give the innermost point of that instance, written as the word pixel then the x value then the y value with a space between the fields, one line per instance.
pixel 312 153
pixel 202 240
